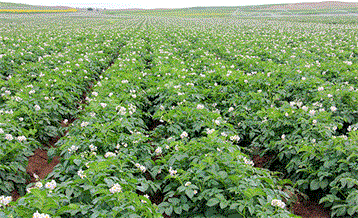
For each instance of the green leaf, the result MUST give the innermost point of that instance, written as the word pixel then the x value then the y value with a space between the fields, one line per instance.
pixel 175 201
pixel 77 162
pixel 212 202
pixel 169 210
pixel 324 183
pixel 178 210
pixel 223 204
pixel 143 188
pixel 190 193
pixel 234 206
pixel 109 182
pixel 186 207
pixel 314 185
pixel 223 174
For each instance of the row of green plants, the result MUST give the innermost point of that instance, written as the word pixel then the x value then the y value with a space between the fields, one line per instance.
pixel 301 113
pixel 307 123
pixel 37 110
pixel 98 177
pixel 170 129
pixel 175 168
pixel 207 165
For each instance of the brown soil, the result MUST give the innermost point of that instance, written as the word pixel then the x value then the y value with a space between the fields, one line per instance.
pixel 261 162
pixel 38 164
pixel 303 207
pixel 310 209
pixel 15 195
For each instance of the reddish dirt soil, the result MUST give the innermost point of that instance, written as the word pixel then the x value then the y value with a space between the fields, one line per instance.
pixel 310 209
pixel 15 195
pixel 314 5
pixel 38 164
pixel 261 161
pixel 304 208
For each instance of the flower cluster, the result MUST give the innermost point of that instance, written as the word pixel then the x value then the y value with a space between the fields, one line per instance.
pixel 21 138
pixel 9 137
pixel 81 174
pixel 247 161
pixel 84 124
pixel 200 106
pixel 141 167
pixel 235 138
pixel 92 147
pixel 210 131
pixel 38 184
pixel 278 203
pixel 40 215
pixel 5 200
pixel 116 188
pixel 159 151
pixel 121 110
pixel 132 109
pixel 184 135
pixel 51 185
pixel 109 154
pixel 72 149
pixel 172 172
pixel 37 108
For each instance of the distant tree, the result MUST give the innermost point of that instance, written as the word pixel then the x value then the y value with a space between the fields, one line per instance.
pixel 89 9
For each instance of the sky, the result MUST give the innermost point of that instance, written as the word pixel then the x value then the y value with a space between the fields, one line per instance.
pixel 145 4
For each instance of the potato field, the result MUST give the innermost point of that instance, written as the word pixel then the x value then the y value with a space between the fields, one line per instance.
pixel 112 115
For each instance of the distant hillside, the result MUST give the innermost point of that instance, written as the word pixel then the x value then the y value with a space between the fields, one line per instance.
pixel 271 10
pixel 298 9
pixel 26 8
pixel 330 5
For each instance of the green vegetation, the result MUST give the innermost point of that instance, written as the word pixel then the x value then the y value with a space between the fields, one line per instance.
pixel 181 113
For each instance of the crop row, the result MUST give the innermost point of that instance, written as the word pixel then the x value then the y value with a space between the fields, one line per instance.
pixel 302 113
pixel 171 127
pixel 37 105
pixel 184 162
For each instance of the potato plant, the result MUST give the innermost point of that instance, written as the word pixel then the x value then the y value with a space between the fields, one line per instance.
pixel 168 114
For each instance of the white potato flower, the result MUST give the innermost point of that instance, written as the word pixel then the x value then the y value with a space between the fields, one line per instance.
pixel 37 108
pixel 172 172
pixel 278 203
pixel 51 185
pixel 158 151
pixel 109 154
pixel 5 200
pixel 38 184
pixel 9 137
pixel 184 135
pixel 84 124
pixel 81 174
pixel 200 106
